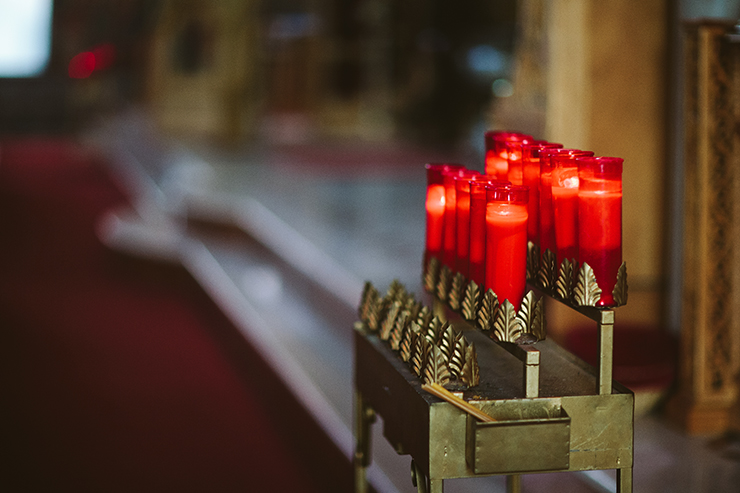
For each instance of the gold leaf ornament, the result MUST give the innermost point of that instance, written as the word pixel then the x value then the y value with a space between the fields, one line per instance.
pixel 620 288
pixel 470 374
pixel 507 327
pixel 435 370
pixel 533 261
pixel 431 275
pixel 487 310
pixel 546 276
pixel 587 291
pixel 454 297
pixel 471 301
pixel 564 284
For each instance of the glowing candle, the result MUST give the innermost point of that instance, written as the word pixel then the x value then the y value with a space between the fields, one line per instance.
pixel 546 229
pixel 435 208
pixel 565 202
pixel 600 220
pixel 477 250
pixel 496 152
pixel 506 242
pixel 531 178
pixel 449 253
pixel 462 221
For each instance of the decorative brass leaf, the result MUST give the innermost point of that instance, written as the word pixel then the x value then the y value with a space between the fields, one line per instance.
pixel 436 329
pixel 425 317
pixel 528 312
pixel 538 327
pixel 399 328
pixel 564 284
pixel 407 343
pixel 456 360
pixel 443 285
pixel 506 327
pixel 470 374
pixel 396 291
pixel 364 300
pixel 620 289
pixel 389 320
pixel 470 301
pixel 454 297
pixel 533 260
pixel 413 307
pixel 487 310
pixel 448 341
pixel 419 355
pixel 435 370
pixel 548 270
pixel 431 275
pixel 374 308
pixel 587 292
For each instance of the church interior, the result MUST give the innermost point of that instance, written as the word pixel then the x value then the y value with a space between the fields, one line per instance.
pixel 194 193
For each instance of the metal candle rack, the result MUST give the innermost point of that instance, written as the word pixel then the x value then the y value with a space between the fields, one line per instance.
pixel 553 412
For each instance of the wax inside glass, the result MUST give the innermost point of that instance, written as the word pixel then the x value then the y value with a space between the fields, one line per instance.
pixel 435 207
pixel 477 250
pixel 497 154
pixel 449 235
pixel 531 178
pixel 506 242
pixel 462 222
pixel 600 218
pixel 564 189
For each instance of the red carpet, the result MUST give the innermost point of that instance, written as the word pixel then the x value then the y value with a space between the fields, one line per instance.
pixel 123 377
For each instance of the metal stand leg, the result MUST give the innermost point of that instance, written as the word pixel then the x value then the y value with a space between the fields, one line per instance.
pixel 624 480
pixel 423 484
pixel 364 417
pixel 514 483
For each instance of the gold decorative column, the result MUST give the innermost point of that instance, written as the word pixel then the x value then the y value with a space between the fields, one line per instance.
pixel 710 332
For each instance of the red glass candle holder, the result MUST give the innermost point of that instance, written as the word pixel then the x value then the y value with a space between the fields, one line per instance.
pixel 506 242
pixel 565 202
pixel 531 179
pixel 435 208
pixel 546 216
pixel 600 219
pixel 496 153
pixel 462 221
pixel 477 250
pixel 449 240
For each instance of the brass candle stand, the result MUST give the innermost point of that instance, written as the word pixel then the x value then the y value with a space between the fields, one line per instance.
pixel 552 411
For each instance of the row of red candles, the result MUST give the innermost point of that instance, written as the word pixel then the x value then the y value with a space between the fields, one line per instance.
pixel 567 201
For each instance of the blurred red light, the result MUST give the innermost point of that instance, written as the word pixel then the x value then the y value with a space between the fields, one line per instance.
pixel 82 65
pixel 105 55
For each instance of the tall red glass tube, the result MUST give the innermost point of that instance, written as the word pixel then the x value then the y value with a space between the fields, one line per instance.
pixel 506 242
pixel 497 153
pixel 600 220
pixel 435 208
pixel 531 179
pixel 565 202
pixel 449 252
pixel 462 221
pixel 477 250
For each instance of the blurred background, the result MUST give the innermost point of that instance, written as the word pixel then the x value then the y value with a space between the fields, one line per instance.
pixel 193 193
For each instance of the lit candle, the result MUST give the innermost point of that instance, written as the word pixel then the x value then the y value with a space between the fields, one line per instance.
pixel 531 178
pixel 435 208
pixel 546 226
pixel 449 252
pixel 565 202
pixel 462 221
pixel 477 250
pixel 496 153
pixel 506 242
pixel 600 217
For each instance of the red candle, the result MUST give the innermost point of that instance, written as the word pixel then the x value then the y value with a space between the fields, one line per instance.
pixel 435 208
pixel 531 178
pixel 565 202
pixel 506 242
pixel 462 221
pixel 497 154
pixel 514 171
pixel 600 218
pixel 449 253
pixel 477 251
pixel 546 229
